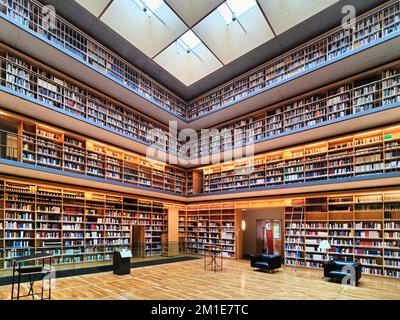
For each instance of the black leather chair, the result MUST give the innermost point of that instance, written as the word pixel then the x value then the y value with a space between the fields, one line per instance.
pixel 264 261
pixel 336 269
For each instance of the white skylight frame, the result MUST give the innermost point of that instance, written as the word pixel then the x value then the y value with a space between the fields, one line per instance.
pixel 230 10
pixel 201 37
pixel 189 41
pixel 153 5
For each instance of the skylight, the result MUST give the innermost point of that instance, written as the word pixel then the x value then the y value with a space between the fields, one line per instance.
pixel 232 9
pixel 189 40
pixel 153 5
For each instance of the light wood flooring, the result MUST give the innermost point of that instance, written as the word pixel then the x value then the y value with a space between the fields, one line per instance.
pixel 188 280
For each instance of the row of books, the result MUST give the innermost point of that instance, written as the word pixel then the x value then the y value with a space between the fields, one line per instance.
pixel 302 107
pixel 367 30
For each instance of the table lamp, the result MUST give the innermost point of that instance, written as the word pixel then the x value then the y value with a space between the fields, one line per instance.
pixel 324 246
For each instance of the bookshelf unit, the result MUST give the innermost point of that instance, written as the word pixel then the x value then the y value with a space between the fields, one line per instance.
pixel 182 230
pixel 82 225
pixel 209 224
pixel 371 90
pixel 360 227
pixel 46 146
pixel 30 14
pixel 369 152
pixel 368 29
pixel 75 225
pixel 29 78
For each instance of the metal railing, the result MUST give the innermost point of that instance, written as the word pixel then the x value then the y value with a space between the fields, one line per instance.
pixel 312 110
pixel 36 83
pixel 34 16
pixel 31 81
pixel 304 58
pixel 30 14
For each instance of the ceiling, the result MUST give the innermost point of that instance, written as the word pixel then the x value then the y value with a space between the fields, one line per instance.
pixel 191 39
pixel 191 46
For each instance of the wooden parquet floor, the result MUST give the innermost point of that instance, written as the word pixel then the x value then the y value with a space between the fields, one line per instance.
pixel 238 281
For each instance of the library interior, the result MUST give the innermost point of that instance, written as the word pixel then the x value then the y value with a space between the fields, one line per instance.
pixel 216 149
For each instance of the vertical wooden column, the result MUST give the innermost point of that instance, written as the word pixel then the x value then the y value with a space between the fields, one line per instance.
pixel 139 240
pixel 171 242
pixel 197 181
pixel 20 140
pixel 238 234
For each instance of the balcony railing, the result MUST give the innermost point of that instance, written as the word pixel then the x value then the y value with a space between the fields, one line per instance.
pixel 368 29
pixel 42 151
pixel 373 92
pixel 47 87
pixel 31 15
pixel 366 154
pixel 377 90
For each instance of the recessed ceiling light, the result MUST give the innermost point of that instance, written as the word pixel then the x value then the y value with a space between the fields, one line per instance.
pixel 230 10
pixel 153 5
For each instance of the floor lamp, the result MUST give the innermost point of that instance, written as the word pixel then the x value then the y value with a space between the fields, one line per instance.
pixel 324 246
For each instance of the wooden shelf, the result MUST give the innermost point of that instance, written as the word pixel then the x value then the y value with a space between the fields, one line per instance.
pixel 204 224
pixel 47 146
pixel 366 239
pixel 74 224
pixel 316 162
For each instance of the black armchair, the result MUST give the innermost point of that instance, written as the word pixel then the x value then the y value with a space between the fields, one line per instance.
pixel 336 269
pixel 266 261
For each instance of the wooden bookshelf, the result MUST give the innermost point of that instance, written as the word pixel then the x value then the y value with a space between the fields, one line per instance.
pixel 74 224
pixel 182 230
pixel 368 28
pixel 83 225
pixel 370 152
pixel 45 85
pixel 209 224
pixel 371 90
pixel 47 146
pixel 360 227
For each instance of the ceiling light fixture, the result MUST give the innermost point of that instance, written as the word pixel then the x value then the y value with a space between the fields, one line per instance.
pixel 189 41
pixel 231 10
pixel 149 7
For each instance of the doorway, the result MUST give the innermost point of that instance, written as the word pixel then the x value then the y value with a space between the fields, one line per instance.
pixel 138 240
pixel 269 236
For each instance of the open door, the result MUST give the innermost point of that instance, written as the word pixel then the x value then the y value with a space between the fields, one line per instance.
pixel 269 236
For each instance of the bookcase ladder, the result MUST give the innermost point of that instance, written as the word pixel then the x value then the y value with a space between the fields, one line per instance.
pixel 299 235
